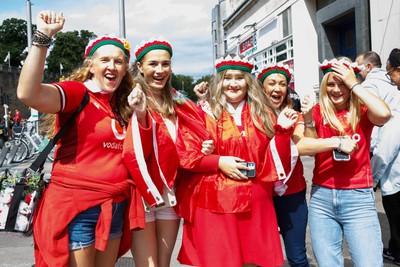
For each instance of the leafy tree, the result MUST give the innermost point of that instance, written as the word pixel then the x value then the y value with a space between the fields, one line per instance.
pixel 13 39
pixel 68 50
pixel 206 78
pixel 184 84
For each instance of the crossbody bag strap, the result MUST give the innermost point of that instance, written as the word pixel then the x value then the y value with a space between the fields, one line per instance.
pixel 40 160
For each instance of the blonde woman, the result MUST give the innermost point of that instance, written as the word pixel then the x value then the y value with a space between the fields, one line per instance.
pixel 342 198
pixel 163 117
pixel 80 220
pixel 228 209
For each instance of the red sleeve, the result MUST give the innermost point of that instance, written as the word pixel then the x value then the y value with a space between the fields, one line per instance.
pixel 71 94
pixel 207 164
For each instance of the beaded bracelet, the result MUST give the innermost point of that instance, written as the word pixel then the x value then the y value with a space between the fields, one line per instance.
pixel 41 39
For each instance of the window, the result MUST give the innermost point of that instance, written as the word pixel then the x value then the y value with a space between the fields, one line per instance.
pixel 287 22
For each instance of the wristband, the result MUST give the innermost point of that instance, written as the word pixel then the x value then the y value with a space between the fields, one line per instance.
pixel 354 85
pixel 41 39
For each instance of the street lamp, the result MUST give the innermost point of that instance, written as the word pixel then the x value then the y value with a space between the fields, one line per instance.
pixel 122 32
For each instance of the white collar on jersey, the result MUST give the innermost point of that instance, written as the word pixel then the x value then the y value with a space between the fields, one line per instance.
pixel 236 113
pixel 93 87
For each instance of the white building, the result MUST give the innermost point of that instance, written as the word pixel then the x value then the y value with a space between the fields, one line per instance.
pixel 302 33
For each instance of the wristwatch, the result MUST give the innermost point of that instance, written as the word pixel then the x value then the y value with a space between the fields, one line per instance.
pixel 310 124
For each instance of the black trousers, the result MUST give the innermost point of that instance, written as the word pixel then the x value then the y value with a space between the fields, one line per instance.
pixel 391 204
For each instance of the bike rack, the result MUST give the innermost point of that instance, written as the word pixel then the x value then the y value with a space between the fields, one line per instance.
pixel 13 151
pixel 4 152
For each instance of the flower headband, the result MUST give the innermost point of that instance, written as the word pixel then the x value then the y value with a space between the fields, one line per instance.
pixel 326 66
pixel 107 40
pixel 235 63
pixel 278 68
pixel 144 48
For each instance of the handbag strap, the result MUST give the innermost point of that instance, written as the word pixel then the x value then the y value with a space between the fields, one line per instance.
pixel 40 160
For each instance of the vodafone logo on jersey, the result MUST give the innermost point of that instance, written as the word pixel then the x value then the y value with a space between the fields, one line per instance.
pixel 118 131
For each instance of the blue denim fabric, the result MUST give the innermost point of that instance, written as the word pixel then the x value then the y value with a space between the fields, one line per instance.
pixel 81 230
pixel 334 213
pixel 291 212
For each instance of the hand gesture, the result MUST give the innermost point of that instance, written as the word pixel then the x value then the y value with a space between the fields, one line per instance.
pixel 307 108
pixel 207 147
pixel 345 73
pixel 348 145
pixel 201 90
pixel 287 118
pixel 50 23
pixel 231 166
pixel 137 100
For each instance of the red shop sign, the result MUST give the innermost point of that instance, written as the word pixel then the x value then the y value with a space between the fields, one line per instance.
pixel 246 44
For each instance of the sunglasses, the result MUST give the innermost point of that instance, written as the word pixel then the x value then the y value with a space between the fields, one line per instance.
pixel 389 73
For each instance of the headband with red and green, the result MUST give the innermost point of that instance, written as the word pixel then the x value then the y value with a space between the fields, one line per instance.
pixel 152 45
pixel 326 66
pixel 107 40
pixel 280 69
pixel 235 63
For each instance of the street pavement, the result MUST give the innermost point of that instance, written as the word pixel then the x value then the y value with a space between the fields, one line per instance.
pixel 16 250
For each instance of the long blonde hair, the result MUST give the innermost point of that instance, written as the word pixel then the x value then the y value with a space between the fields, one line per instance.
pixel 260 107
pixel 329 112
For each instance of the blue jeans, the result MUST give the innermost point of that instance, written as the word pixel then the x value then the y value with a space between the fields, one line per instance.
pixel 81 230
pixel 334 213
pixel 291 212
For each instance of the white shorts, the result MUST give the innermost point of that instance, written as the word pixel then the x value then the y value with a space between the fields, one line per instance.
pixel 163 214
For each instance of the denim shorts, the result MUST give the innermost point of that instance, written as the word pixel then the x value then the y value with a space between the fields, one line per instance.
pixel 81 229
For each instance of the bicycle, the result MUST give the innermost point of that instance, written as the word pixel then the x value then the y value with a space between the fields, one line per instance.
pixel 29 143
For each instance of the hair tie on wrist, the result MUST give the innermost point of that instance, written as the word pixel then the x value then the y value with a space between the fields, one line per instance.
pixel 354 85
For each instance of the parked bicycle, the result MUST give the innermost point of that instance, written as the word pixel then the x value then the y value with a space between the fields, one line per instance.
pixel 28 142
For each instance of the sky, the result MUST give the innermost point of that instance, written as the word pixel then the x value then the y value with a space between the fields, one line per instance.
pixel 186 24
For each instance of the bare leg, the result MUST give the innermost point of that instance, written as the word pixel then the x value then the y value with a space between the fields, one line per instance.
pixel 249 265
pixel 108 258
pixel 82 257
pixel 144 246
pixel 167 231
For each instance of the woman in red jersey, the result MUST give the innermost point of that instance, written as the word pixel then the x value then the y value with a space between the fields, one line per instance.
pixel 342 200
pixel 163 117
pixel 80 219
pixel 290 205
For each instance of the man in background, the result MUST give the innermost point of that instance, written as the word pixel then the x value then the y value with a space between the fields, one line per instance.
pixel 385 147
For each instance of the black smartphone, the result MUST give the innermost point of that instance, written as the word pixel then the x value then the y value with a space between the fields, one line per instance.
pixel 249 173
pixel 340 156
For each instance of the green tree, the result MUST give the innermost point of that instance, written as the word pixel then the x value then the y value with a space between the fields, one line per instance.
pixel 13 39
pixel 206 78
pixel 184 84
pixel 68 50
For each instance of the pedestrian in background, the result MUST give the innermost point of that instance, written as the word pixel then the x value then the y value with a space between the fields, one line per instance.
pixel 162 118
pixel 373 78
pixel 80 219
pixel 385 161
pixel 291 206
pixel 393 67
pixel 342 202
pixel 17 118
pixel 232 219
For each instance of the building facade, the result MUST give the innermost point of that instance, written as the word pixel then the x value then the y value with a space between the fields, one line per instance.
pixel 302 33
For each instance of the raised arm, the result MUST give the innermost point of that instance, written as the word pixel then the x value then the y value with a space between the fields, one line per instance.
pixel 31 91
pixel 378 111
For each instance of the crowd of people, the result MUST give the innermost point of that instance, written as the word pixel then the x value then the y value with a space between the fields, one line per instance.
pixel 141 157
